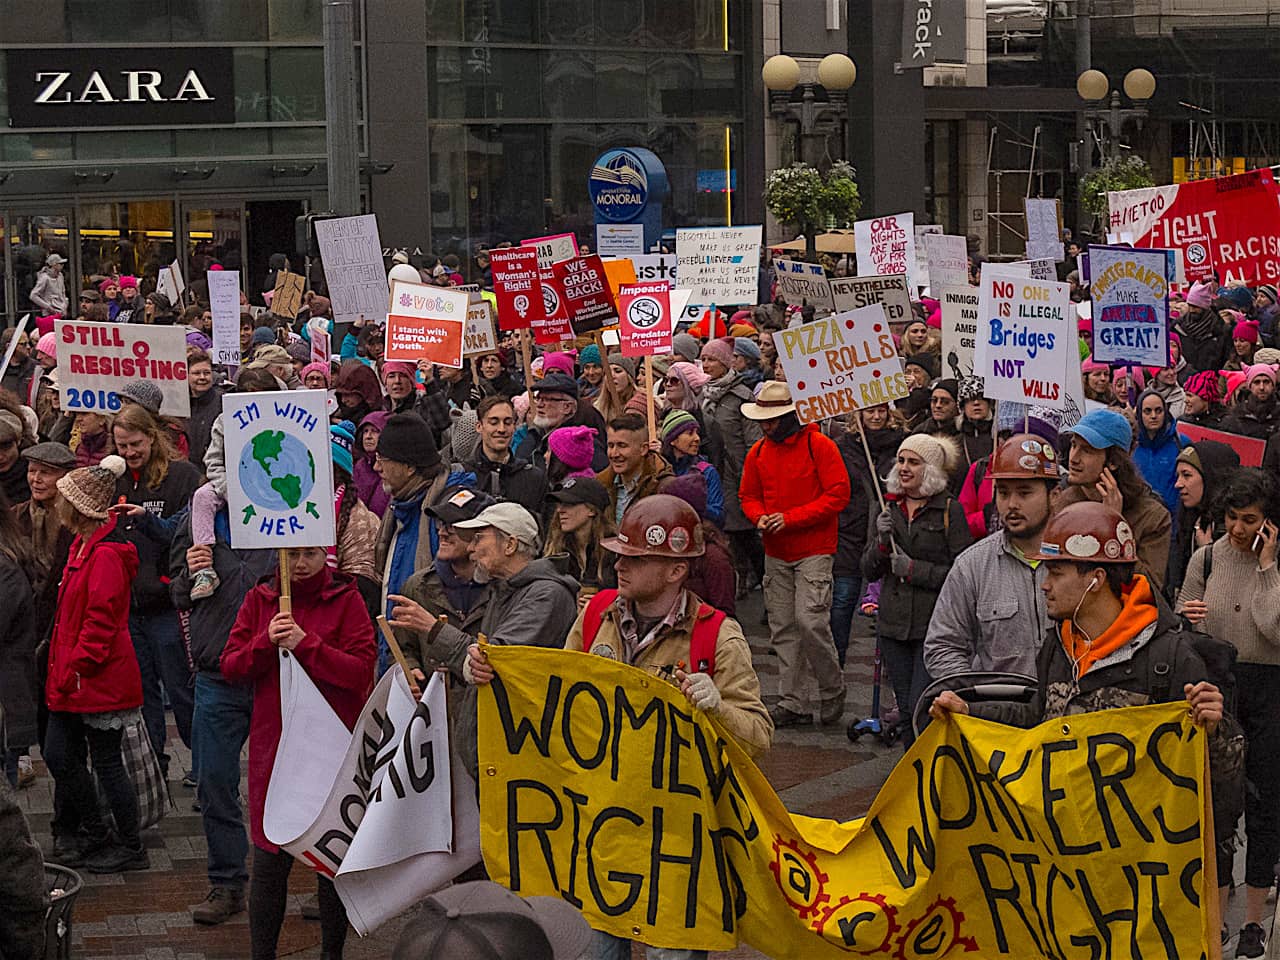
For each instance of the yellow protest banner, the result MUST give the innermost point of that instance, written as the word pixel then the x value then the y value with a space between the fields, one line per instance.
pixel 601 785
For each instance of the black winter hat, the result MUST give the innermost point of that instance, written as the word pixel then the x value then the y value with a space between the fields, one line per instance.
pixel 556 382
pixel 406 438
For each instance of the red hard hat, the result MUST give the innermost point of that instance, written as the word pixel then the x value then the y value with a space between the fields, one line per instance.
pixel 1088 532
pixel 659 525
pixel 1024 456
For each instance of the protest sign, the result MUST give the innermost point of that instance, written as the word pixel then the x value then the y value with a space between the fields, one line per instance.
pixel 887 245
pixel 1130 290
pixel 1249 448
pixel 552 324
pixel 1197 259
pixel 353 270
pixel 372 809
pixel 644 310
pixel 948 259
pixel 286 300
pixel 1044 228
pixel 14 339
pixel 553 249
pixel 588 298
pixel 1239 214
pixel 321 344
pixel 619 239
pixel 279 469
pixel 803 283
pixel 1036 269
pixel 479 338
pixel 841 363
pixel 959 330
pixel 662 266
pixel 516 286
pixel 719 265
pixel 224 305
pixel 923 231
pixel 96 359
pixel 1026 339
pixel 619 271
pixel 1015 268
pixel 170 283
pixel 426 322
pixel 978 844
pixel 850 293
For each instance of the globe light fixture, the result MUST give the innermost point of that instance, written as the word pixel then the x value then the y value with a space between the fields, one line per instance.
pixel 837 72
pixel 780 72
pixel 1139 84
pixel 1094 85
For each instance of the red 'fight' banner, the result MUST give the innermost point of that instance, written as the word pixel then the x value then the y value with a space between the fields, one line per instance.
pixel 1239 214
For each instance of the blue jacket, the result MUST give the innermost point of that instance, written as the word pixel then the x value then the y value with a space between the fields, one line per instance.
pixel 1155 457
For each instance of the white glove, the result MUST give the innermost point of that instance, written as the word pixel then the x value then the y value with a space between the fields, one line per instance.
pixel 701 691
pixel 467 675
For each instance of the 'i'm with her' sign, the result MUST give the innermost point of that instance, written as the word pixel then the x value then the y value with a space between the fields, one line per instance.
pixel 279 469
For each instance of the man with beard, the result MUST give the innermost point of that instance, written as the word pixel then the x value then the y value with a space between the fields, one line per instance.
pixel 990 616
pixel 556 404
pixel 22 366
pixel 1258 414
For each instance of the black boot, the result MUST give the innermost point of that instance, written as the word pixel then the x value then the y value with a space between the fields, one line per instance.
pixel 118 858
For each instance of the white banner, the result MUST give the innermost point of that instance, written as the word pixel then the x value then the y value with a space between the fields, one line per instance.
pixel 279 469
pixel 719 265
pixel 948 258
pixel 378 808
pixel 923 232
pixel 171 284
pixel 959 330
pixel 97 359
pixel 887 245
pixel 224 304
pixel 1044 229
pixel 353 270
pixel 804 283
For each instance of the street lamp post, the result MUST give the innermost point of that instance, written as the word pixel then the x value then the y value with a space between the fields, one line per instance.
pixel 818 109
pixel 1095 89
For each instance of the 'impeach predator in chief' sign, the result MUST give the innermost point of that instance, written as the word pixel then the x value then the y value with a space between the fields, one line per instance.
pixel 841 363
pixel 600 784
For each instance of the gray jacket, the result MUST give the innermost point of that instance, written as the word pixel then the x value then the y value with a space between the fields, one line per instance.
pixel 734 435
pixel 536 608
pixel 990 616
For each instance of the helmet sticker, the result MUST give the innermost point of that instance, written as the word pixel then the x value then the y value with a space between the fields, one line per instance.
pixel 1028 462
pixel 1124 532
pixel 1111 548
pixel 1030 446
pixel 679 540
pixel 1048 452
pixel 623 537
pixel 604 650
pixel 1130 550
pixel 1049 549
pixel 1083 545
pixel 655 535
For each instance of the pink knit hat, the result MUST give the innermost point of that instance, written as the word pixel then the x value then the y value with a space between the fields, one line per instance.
pixel 720 349
pixel 318 367
pixel 574 447
pixel 1260 370
pixel 557 361
pixel 689 374
pixel 1090 365
pixel 48 345
pixel 1245 330
pixel 399 366
pixel 1200 295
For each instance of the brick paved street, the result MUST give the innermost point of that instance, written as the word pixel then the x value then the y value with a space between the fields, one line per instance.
pixel 144 916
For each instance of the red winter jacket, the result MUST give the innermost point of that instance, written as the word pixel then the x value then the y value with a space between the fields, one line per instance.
pixel 92 666
pixel 338 653
pixel 804 479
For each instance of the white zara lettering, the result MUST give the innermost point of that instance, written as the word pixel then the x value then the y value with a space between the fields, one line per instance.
pixel 140 86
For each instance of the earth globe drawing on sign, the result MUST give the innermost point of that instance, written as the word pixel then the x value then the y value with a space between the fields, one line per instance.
pixel 277 470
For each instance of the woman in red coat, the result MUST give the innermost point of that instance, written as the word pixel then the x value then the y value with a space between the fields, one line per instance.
pixel 330 633
pixel 94 688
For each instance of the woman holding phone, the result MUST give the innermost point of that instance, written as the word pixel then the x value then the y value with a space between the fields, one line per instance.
pixel 1232 592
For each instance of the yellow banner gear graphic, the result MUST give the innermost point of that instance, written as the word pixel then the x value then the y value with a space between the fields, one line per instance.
pixel 600 784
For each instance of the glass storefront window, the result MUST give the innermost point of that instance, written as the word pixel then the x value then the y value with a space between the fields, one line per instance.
pixel 297 84
pixel 131 239
pixel 212 235
pixel 143 21
pixel 32 238
pixel 298 20
pixel 298 141
pixel 35 146
pixel 203 143
pixel 118 146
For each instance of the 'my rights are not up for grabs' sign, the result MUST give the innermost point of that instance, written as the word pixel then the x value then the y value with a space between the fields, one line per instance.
pixel 426 323
pixel 841 363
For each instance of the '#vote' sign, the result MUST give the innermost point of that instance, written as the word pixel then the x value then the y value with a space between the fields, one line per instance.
pixel 426 323
pixel 841 363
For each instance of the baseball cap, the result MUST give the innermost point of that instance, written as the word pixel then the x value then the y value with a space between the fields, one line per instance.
pixel 586 490
pixel 511 518
pixel 484 921
pixel 459 503
pixel 1102 429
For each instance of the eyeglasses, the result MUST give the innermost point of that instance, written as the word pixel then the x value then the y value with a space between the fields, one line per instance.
pixel 673 381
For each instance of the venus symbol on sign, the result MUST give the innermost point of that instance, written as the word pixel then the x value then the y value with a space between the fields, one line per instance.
pixel 644 313
pixel 521 303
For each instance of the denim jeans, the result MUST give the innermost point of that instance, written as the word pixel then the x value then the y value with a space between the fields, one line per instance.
pixel 219 731
pixel 605 946
pixel 905 663
pixel 162 657
pixel 68 744
pixel 844 604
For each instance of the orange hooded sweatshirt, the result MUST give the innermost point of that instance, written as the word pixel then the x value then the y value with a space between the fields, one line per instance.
pixel 1138 613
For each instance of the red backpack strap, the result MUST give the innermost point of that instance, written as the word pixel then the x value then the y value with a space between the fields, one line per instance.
pixel 702 639
pixel 593 616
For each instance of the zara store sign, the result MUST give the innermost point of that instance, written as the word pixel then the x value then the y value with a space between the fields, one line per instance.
pixel 126 86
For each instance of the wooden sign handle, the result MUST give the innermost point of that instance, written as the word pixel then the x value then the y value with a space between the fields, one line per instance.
pixel 648 399
pixel 286 583
pixel 394 647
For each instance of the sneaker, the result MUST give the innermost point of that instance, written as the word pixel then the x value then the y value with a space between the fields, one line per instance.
pixel 203 584
pixel 832 711
pixel 189 781
pixel 1252 942
pixel 118 858
pixel 782 717
pixel 220 905
pixel 76 850
pixel 311 907
pixel 26 772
